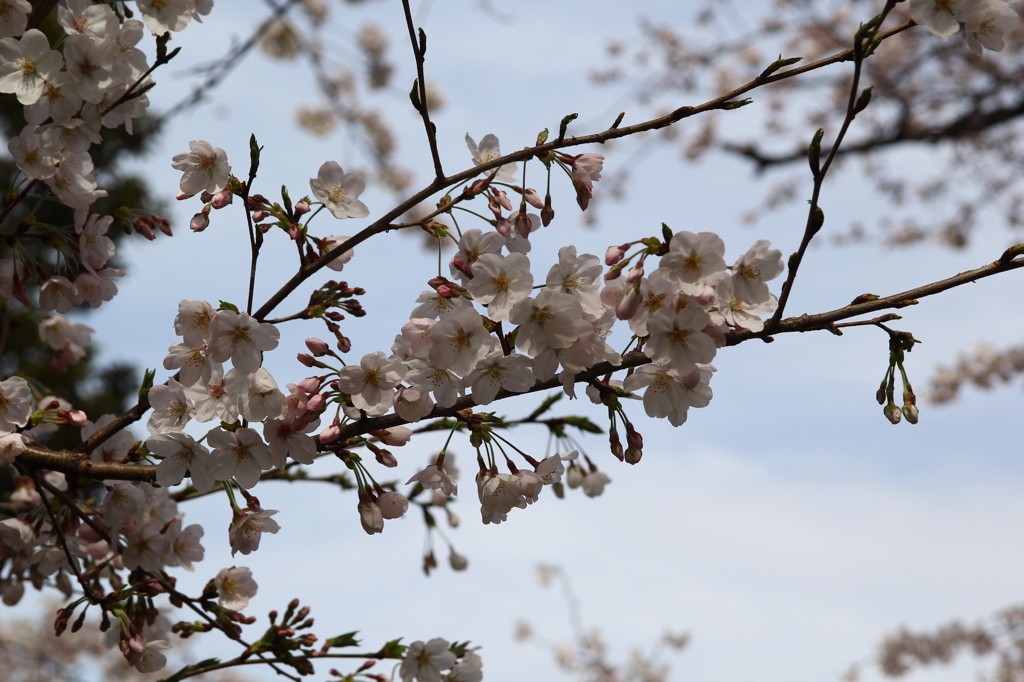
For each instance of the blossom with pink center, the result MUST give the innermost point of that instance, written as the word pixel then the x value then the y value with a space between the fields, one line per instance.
pixel 113 449
pixel 290 438
pixel 242 338
pixel 670 394
pixel 240 454
pixel 695 261
pixel 433 306
pixel 245 534
pixel 371 381
pixel 220 396
pixel 205 167
pixel 235 587
pixel 424 662
pixel 339 191
pixel 499 282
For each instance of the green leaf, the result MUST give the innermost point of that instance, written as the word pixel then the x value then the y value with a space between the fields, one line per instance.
pixel 544 406
pixel 224 305
pixel 341 641
pixel 393 649
pixel 583 424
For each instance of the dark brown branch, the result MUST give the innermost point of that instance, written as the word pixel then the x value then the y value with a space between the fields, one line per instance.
pixel 383 224
pixel 418 50
pixel 78 465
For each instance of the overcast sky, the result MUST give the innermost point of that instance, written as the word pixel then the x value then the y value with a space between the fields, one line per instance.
pixel 786 527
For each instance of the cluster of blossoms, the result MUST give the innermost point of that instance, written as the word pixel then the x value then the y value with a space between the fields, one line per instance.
pixel 95 81
pixel 985 22
pixel 425 662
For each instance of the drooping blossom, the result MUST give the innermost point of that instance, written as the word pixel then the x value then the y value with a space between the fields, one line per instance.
pixel 235 587
pixel 205 167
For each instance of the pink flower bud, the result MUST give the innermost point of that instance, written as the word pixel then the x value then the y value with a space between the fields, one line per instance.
pixel 330 433
pixel 629 304
pixel 533 199
pixel 200 221
pixel 457 561
pixel 445 291
pixel 463 267
pixel 145 229
pixel 614 254
pixel 636 273
pixel 309 385
pixel 308 360
pixel 75 418
pixel 503 227
pixel 164 225
pixel 223 197
pixel 371 518
pixel 633 455
pixel 392 505
pixel 385 458
pixel 301 208
pixel 259 215
pixel 396 436
pixel 317 347
pixel 893 413
pixel 613 273
pixel 316 403
pixel 911 413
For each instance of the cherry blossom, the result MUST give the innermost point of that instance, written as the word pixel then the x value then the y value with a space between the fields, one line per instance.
pixel 235 587
pixel 183 543
pixel 13 17
pixel 552 320
pixel 578 276
pixel 205 167
pixel 488 150
pixel 678 340
pixel 58 294
pixel 940 16
pixel 424 662
pixel 246 532
pixel 434 478
pixel 456 342
pixel 496 371
pixel 193 322
pixel 338 263
pixel 171 408
pixel 26 64
pixel 240 454
pixel 181 454
pixel 372 381
pixel 500 282
pixel 339 191
pixel 15 403
pixel 240 337
pixel 11 445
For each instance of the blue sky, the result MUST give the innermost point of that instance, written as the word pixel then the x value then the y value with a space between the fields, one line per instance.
pixel 787 526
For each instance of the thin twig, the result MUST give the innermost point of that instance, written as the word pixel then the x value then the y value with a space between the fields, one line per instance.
pixel 418 51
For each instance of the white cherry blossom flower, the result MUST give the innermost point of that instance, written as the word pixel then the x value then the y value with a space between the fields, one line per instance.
pixel 240 337
pixel 695 261
pixel 32 154
pixel 393 504
pixel 161 16
pixel 594 483
pixel 171 408
pixel 339 191
pixel 338 263
pixel 472 245
pixel 17 534
pixel 372 380
pixel 220 397
pixel 145 656
pixel 740 314
pixel 58 294
pixel 939 16
pixel 81 17
pixel 499 494
pixel 552 320
pixel 87 62
pixel 488 150
pixel 412 404
pixel 240 454
pixel 433 478
pixel 496 371
pixel 94 246
pixel 986 23
pixel 578 276
pixel 11 445
pixel 263 399
pixel 443 383
pixel 113 449
pixel 434 306
pixel 15 403
pixel 145 547
pixel 456 342
pixel 193 322
pixel 13 17
pixel 469 668
pixel 500 282
pixel 26 64
pixel 184 545
pixel 235 587
pixel 205 167
pixel 370 518
pixel 245 534
pixel 757 266
pixel 181 454
pixel 424 662
pixel 678 340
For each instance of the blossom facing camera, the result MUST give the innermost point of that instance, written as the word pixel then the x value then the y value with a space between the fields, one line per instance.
pixel 205 168
pixel 339 191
